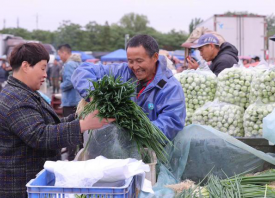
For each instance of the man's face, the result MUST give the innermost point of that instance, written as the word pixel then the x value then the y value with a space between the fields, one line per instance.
pixel 63 55
pixel 143 66
pixel 207 52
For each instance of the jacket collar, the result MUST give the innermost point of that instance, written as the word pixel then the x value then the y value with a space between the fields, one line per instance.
pixel 163 73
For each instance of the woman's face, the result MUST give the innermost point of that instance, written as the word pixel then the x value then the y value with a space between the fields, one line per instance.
pixel 37 75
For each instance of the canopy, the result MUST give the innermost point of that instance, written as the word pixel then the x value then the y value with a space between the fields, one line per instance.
pixel 118 55
pixel 83 55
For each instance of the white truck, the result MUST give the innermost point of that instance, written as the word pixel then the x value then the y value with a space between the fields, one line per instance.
pixel 247 33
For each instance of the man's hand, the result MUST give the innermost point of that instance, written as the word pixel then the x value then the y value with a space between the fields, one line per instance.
pixel 192 64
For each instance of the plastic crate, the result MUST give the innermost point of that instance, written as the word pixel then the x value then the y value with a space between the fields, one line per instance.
pixel 43 186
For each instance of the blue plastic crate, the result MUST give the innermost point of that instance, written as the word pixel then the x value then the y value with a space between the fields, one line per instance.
pixel 43 186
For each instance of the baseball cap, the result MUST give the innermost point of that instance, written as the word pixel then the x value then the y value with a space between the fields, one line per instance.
pixel 206 39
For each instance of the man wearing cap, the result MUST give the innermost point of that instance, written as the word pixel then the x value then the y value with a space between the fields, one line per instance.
pixel 221 56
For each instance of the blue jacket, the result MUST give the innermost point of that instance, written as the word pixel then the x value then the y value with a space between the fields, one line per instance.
pixel 70 97
pixel 163 99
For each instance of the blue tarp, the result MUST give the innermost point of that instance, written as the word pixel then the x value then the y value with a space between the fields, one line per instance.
pixel 118 55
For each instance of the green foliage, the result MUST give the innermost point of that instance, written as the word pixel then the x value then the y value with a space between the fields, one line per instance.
pixel 270 25
pixel 96 37
pixel 17 32
pixel 134 21
pixel 194 22
pixel 112 98
pixel 240 13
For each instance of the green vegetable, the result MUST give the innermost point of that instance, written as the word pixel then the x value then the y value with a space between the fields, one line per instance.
pixel 263 86
pixel 112 98
pixel 199 87
pixel 224 117
pixel 256 186
pixel 253 118
pixel 234 86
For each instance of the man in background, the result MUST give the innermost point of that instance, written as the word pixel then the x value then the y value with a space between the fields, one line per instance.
pixel 70 97
pixel 55 76
pixel 221 56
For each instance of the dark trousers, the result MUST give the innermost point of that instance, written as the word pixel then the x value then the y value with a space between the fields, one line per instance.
pixel 55 83
pixel 71 150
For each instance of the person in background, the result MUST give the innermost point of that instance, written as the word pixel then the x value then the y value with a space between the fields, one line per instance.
pixel 70 97
pixel 159 93
pixel 221 56
pixel 31 132
pixel 55 76
pixel 3 73
pixel 256 59
pixel 49 71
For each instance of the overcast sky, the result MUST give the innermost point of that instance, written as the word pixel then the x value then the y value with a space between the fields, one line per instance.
pixel 164 15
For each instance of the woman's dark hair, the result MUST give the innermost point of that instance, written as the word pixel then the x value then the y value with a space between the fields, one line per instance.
pixel 149 43
pixel 30 52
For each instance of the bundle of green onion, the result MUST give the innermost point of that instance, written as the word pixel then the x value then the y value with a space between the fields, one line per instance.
pixel 112 98
pixel 256 186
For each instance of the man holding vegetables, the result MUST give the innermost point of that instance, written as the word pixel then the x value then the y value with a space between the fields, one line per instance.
pixel 158 92
pixel 222 56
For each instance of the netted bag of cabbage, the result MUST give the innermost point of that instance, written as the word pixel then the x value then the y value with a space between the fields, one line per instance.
pixel 222 116
pixel 253 118
pixel 263 86
pixel 234 85
pixel 199 87
pixel 189 114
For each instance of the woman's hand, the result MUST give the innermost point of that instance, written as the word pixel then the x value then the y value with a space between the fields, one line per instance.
pixel 93 122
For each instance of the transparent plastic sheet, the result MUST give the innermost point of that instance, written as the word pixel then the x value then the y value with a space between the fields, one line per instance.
pixel 225 117
pixel 253 118
pixel 197 149
pixel 199 87
pixel 110 142
pixel 263 85
pixel 234 85
pixel 269 127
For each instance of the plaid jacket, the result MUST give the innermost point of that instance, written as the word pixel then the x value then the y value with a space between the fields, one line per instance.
pixel 30 134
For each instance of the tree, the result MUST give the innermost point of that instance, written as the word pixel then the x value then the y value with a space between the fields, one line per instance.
pixel 240 13
pixel 70 33
pixel 134 22
pixel 194 23
pixel 25 34
pixel 270 25
pixel 43 36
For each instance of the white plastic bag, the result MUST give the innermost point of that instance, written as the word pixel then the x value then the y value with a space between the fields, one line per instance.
pixel 87 173
pixel 269 127
pixel 222 116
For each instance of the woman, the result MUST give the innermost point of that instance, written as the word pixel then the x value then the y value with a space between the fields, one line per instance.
pixel 30 130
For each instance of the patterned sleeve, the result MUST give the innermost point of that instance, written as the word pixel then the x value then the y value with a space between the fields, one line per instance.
pixel 28 124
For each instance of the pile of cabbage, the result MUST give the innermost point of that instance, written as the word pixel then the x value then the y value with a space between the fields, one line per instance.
pixel 263 86
pixel 234 86
pixel 199 87
pixel 224 117
pixel 253 118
